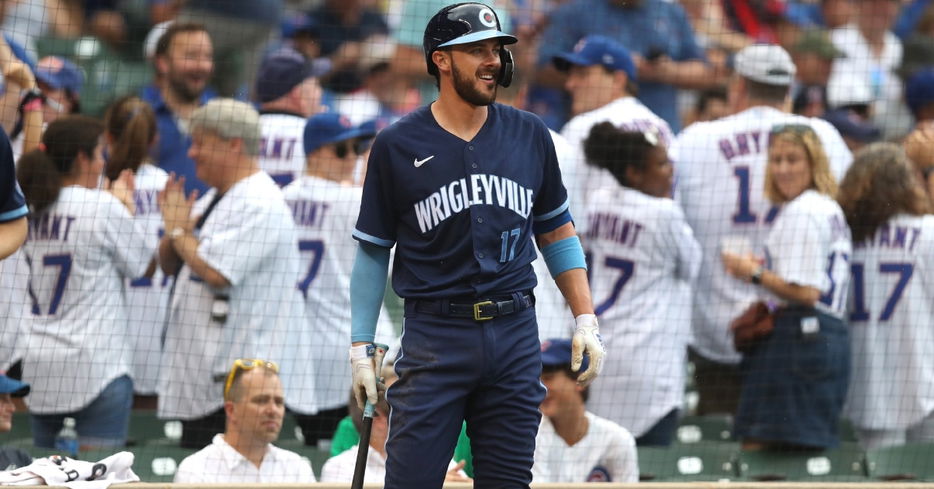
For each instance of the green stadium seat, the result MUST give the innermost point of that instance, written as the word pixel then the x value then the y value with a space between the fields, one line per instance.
pixel 843 464
pixel 158 462
pixel 904 462
pixel 694 429
pixel 701 461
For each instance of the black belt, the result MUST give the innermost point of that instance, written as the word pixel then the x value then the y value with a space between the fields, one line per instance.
pixel 481 310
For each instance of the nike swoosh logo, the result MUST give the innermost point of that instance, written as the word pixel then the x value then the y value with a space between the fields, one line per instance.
pixel 419 162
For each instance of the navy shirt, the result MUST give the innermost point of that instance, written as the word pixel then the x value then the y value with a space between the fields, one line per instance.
pixel 654 25
pixel 461 212
pixel 12 202
pixel 171 152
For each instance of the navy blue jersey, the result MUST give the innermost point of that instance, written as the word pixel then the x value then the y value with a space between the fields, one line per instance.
pixel 460 212
pixel 12 202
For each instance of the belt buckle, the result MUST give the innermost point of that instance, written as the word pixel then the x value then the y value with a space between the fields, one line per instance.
pixel 476 311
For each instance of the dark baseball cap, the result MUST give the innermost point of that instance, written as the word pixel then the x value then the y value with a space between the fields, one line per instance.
pixel 816 41
pixel 60 74
pixel 281 71
pixel 13 387
pixel 556 352
pixel 598 50
pixel 331 127
pixel 919 89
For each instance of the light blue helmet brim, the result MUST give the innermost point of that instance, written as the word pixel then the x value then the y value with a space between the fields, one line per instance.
pixel 481 36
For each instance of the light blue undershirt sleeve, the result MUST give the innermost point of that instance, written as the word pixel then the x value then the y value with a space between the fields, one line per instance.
pixel 367 287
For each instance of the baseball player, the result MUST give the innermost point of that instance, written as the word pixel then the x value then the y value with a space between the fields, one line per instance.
pixel 130 129
pixel 460 187
pixel 13 270
pixel 643 261
pixel 12 203
pixel 324 210
pixel 720 168
pixel 891 397
pixel 288 92
pixel 83 243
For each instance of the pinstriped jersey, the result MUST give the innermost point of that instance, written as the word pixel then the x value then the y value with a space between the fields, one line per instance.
pixel 460 213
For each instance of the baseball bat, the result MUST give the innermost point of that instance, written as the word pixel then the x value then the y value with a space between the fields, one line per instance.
pixel 363 448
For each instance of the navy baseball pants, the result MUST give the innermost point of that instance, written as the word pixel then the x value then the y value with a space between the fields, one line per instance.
pixel 454 369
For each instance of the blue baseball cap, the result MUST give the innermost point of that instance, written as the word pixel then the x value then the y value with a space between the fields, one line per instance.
pixel 331 127
pixel 556 352
pixel 598 50
pixel 60 74
pixel 919 90
pixel 281 71
pixel 13 387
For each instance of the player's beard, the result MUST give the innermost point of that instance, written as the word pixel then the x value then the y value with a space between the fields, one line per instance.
pixel 466 89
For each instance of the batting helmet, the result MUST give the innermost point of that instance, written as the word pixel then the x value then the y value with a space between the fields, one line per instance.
pixel 464 23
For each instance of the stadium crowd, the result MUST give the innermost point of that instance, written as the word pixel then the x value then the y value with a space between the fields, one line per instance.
pixel 751 180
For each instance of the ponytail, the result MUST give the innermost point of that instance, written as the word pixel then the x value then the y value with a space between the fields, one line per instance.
pixel 131 123
pixel 41 172
pixel 40 179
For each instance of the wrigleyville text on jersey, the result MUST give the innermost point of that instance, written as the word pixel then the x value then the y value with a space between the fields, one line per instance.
pixel 476 189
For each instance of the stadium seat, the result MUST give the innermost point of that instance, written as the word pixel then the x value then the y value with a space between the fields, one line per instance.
pixel 843 464
pixel 158 463
pixel 694 429
pixel 904 462
pixel 701 461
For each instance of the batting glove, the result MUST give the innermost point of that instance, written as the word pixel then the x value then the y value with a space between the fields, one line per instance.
pixel 362 363
pixel 587 339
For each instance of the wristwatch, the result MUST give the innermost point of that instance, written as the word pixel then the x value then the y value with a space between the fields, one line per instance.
pixel 756 276
pixel 177 233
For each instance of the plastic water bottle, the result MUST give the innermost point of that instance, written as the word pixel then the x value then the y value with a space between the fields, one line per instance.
pixel 66 440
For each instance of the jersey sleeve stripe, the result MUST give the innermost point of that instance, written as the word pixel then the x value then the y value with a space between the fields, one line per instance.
pixel 14 214
pixel 561 208
pixel 357 234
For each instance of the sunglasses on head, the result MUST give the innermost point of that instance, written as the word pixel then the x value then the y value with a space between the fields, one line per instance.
pixel 242 365
pixel 792 128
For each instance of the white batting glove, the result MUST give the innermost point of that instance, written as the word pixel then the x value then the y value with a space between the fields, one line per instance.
pixel 587 339
pixel 364 377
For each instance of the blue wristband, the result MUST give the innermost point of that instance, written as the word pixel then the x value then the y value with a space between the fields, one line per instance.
pixel 564 255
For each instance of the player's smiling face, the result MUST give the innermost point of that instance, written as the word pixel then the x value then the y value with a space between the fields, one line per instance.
pixel 474 69
pixel 790 167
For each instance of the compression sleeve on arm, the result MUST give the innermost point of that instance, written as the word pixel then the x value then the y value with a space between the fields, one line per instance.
pixel 367 287
pixel 564 255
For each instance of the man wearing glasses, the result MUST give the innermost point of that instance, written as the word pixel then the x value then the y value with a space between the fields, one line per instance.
pixel 235 256
pixel 254 403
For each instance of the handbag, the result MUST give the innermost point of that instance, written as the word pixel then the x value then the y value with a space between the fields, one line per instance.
pixel 752 326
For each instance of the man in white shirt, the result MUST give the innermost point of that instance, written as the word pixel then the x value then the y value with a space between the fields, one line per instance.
pixel 602 83
pixel 254 403
pixel 574 445
pixel 235 257
pixel 288 92
pixel 720 168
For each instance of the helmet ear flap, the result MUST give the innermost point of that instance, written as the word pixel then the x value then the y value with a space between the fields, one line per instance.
pixel 506 67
